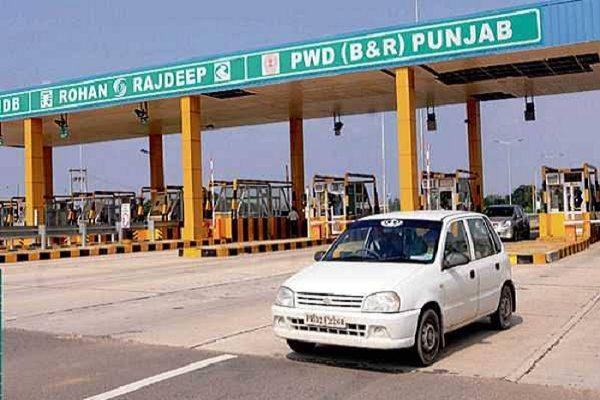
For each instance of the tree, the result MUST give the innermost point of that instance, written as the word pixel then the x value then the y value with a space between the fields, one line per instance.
pixel 523 197
pixel 395 204
pixel 494 199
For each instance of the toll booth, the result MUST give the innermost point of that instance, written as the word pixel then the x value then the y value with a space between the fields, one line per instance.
pixel 97 212
pixel 570 203
pixel 251 209
pixel 12 212
pixel 157 214
pixel 334 202
pixel 447 191
pixel 100 208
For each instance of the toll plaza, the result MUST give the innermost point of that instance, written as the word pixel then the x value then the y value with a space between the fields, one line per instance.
pixel 521 52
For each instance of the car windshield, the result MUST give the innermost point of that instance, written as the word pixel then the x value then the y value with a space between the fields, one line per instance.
pixel 499 212
pixel 387 240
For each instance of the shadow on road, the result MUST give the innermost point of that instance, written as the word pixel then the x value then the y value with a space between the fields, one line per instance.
pixel 398 361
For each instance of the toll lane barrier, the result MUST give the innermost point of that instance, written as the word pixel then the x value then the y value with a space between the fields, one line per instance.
pixel 236 249
pixel 549 256
pixel 125 248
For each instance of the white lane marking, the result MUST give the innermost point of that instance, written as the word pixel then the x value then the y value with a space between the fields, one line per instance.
pixel 132 387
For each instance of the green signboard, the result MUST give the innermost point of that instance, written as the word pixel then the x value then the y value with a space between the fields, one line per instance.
pixel 373 50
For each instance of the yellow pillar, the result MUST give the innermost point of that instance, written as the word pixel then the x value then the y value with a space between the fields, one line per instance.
pixel 297 161
pixel 34 171
pixel 191 157
pixel 475 153
pixel 155 144
pixel 48 172
pixel 407 139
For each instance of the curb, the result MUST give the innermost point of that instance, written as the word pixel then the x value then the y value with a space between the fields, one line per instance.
pixel 549 257
pixel 103 250
pixel 231 250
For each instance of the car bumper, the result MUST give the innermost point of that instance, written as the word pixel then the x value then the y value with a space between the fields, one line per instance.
pixel 366 330
pixel 505 233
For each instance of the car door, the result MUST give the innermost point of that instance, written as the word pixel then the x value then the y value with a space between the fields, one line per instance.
pixel 486 264
pixel 460 284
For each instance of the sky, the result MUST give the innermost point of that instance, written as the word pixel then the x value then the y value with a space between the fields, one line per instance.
pixel 48 41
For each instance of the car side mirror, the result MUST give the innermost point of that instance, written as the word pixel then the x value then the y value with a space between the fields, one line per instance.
pixel 454 259
pixel 319 255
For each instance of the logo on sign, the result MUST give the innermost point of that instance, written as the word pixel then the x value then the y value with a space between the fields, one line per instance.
pixel 270 64
pixel 222 71
pixel 46 99
pixel 120 87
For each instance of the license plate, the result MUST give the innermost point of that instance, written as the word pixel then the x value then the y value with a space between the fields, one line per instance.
pixel 330 321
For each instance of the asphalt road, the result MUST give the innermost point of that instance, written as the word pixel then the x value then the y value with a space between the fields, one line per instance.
pixel 109 322
pixel 43 366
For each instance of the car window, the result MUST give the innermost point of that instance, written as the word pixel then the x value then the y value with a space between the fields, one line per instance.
pixel 456 240
pixel 482 241
pixel 387 240
pixel 494 235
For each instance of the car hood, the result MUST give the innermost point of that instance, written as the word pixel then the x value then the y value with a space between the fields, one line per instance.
pixel 352 278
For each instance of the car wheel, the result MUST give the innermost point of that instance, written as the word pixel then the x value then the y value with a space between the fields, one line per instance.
pixel 301 347
pixel 428 338
pixel 502 318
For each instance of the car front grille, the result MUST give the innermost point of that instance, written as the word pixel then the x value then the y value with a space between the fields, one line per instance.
pixel 329 300
pixel 359 330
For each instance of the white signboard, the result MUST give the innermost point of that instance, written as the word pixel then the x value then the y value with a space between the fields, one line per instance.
pixel 126 216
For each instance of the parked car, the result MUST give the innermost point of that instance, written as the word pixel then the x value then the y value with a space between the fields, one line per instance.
pixel 399 280
pixel 509 221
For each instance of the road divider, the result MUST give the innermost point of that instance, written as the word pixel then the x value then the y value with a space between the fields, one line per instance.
pixel 236 249
pixel 100 250
pixel 543 252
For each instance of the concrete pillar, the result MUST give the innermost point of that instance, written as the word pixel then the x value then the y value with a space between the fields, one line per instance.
pixel 297 161
pixel 34 171
pixel 191 157
pixel 407 139
pixel 475 152
pixel 48 172
pixel 155 144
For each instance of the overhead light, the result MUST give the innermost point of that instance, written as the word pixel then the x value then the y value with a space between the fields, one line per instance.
pixel 63 126
pixel 338 125
pixel 529 108
pixel 431 119
pixel 142 113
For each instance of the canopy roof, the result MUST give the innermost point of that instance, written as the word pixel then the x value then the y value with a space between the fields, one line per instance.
pixel 542 49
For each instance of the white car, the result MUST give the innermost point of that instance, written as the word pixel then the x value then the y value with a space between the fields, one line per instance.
pixel 399 280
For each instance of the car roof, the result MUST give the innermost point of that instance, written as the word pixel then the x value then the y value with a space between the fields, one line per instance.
pixel 422 215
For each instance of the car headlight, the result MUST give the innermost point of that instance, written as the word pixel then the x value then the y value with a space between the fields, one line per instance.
pixel 507 223
pixel 285 297
pixel 383 302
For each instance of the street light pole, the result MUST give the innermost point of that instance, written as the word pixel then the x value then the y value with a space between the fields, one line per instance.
pixel 509 178
pixel 383 165
pixel 420 128
pixel 508 144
